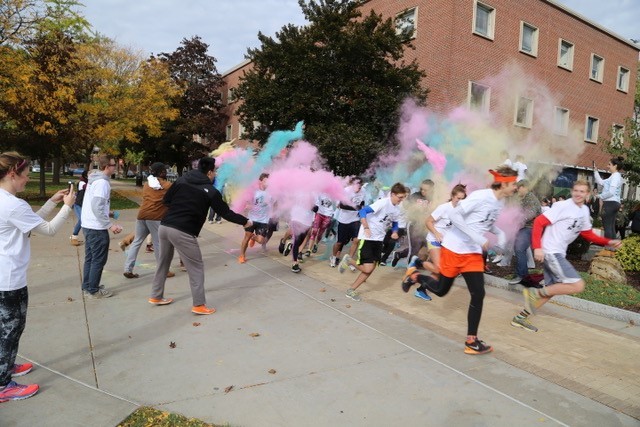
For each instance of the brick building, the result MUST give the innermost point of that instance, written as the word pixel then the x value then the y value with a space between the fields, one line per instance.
pixel 591 70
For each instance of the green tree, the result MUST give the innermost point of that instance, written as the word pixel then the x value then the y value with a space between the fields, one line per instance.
pixel 627 144
pixel 199 103
pixel 343 74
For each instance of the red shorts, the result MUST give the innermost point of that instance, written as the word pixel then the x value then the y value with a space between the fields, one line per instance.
pixel 452 264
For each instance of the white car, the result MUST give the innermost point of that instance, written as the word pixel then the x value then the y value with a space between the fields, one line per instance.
pixel 35 168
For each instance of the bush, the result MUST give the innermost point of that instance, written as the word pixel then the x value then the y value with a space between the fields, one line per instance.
pixel 629 253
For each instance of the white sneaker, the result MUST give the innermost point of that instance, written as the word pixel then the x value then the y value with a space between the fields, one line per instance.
pixel 333 261
pixel 497 259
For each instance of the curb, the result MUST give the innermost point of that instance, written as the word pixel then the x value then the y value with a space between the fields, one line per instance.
pixel 574 303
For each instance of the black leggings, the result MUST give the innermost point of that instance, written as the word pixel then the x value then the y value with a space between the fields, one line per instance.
pixel 13 317
pixel 475 284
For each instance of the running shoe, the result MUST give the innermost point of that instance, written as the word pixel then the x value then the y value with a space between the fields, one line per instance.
pixel 21 369
pixel 333 261
pixel 382 263
pixel 287 249
pixel 202 309
pixel 281 246
pixel 171 274
pixel 515 281
pixel 130 275
pixel 160 301
pixel 531 299
pixel 344 264
pixel 407 280
pixel 353 294
pixel 497 259
pixel 314 249
pixel 296 268
pixel 211 222
pixel 413 261
pixel 15 391
pixel 521 322
pixel 149 249
pixel 477 347
pixel 352 268
pixel 396 258
pixel 102 293
pixel 422 295
pixel 242 259
pixel 307 253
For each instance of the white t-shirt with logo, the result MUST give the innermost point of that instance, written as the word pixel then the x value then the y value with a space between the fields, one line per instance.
pixel 17 219
pixel 567 221
pixel 355 200
pixel 379 221
pixel 260 210
pixel 326 206
pixel 441 219
pixel 480 211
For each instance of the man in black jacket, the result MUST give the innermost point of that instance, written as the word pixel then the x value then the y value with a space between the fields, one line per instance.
pixel 189 200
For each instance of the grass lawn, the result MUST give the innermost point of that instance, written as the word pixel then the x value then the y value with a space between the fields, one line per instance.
pixel 147 417
pixel 612 294
pixel 32 193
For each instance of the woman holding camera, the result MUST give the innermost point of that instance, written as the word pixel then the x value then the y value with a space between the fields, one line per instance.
pixel 610 196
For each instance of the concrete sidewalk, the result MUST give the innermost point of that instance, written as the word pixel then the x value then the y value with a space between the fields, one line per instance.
pixel 286 349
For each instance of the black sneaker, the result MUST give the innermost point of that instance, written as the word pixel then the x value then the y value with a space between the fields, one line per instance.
pixel 287 249
pixel 307 254
pixel 281 246
pixel 296 268
pixel 477 347
pixel 407 282
pixel 315 248
pixel 396 259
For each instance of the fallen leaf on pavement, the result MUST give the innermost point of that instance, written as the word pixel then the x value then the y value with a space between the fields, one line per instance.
pixel 348 305
pixel 69 299
pixel 172 344
pixel 196 323
pixel 254 334
pixel 333 300
pixel 272 371
pixel 228 389
pixel 323 290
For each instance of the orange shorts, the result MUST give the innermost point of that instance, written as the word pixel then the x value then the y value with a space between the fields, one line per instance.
pixel 452 264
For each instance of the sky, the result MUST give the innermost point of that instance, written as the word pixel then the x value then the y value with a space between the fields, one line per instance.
pixel 229 27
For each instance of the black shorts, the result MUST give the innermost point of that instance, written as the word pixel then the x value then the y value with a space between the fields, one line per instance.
pixel 258 228
pixel 346 232
pixel 369 252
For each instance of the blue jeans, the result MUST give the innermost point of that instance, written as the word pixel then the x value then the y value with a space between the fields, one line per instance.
pixel 96 251
pixel 520 246
pixel 144 227
pixel 78 211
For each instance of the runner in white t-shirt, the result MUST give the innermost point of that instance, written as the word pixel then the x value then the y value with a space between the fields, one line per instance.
pixel 462 249
pixel 553 231
pixel 259 214
pixel 324 209
pixel 17 222
pixel 375 219
pixel 348 221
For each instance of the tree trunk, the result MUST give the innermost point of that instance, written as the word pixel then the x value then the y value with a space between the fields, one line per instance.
pixel 56 170
pixel 42 186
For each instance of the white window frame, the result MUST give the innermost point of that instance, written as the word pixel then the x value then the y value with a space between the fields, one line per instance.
pixel 563 130
pixel 600 69
pixel 569 65
pixel 241 130
pixel 534 41
pixel 594 130
pixel 624 73
pixel 529 113
pixel 491 24
pixel 405 15
pixel 228 132
pixel 486 97
pixel 230 95
pixel 617 135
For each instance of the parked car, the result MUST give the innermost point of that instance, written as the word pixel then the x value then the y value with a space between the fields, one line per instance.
pixel 35 168
pixel 77 171
pixel 130 174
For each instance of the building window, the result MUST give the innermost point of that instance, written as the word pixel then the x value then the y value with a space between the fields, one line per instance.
pixel 229 132
pixel 241 131
pixel 617 135
pixel 565 54
pixel 479 96
pixel 561 121
pixel 623 80
pixel 597 68
pixel 591 129
pixel 406 23
pixel 231 95
pixel 484 18
pixel 524 112
pixel 528 39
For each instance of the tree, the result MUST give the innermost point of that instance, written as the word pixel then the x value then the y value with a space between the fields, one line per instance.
pixel 18 18
pixel 343 74
pixel 199 104
pixel 627 144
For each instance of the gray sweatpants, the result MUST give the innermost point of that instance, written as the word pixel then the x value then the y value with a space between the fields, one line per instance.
pixel 189 251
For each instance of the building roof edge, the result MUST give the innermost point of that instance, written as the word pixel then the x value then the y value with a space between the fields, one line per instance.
pixel 236 67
